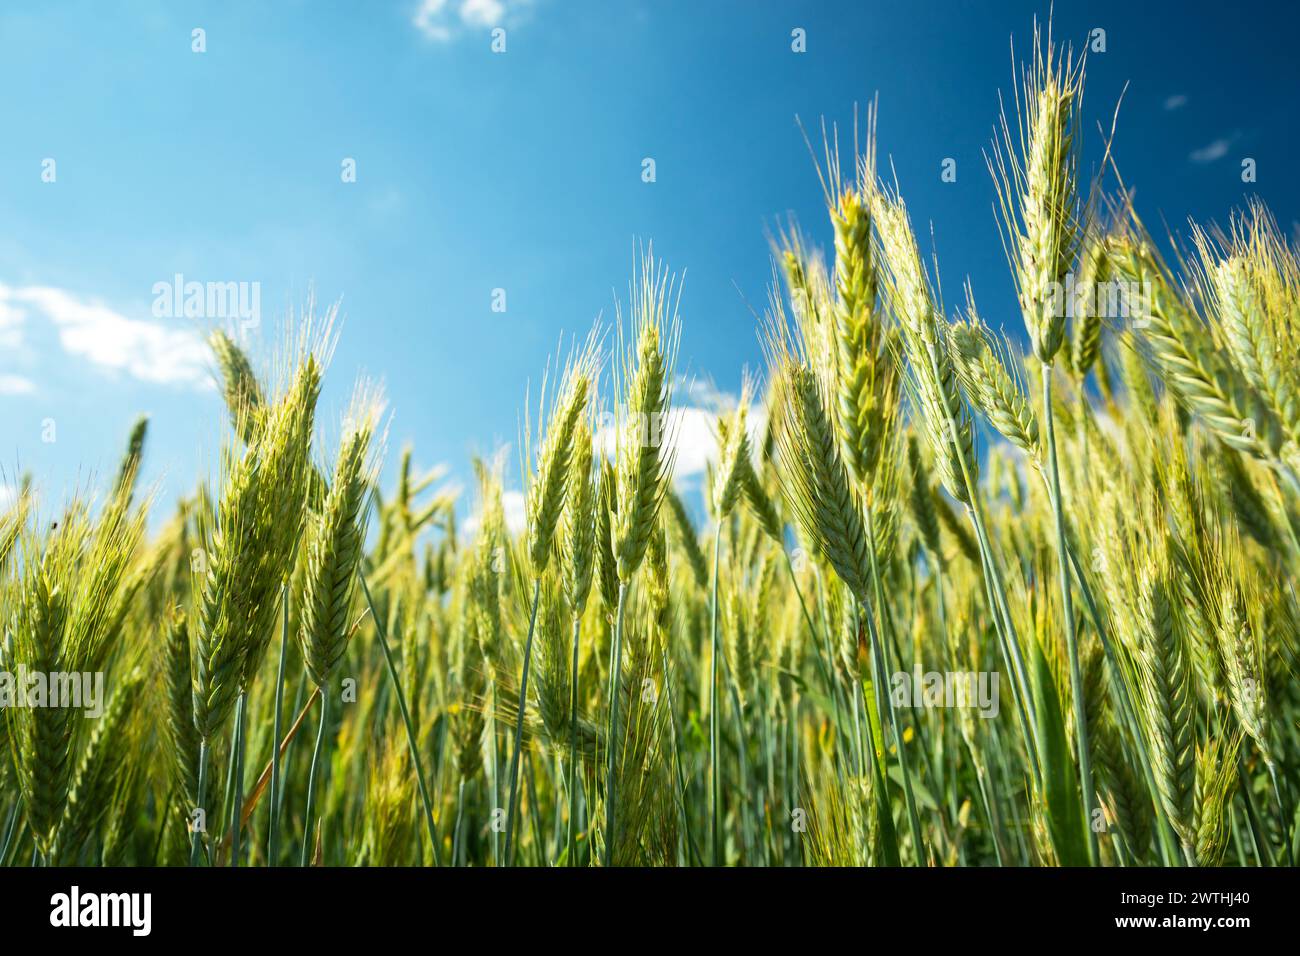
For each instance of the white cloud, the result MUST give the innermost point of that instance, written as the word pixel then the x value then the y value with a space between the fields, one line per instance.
pixel 694 441
pixel 16 385
pixel 431 19
pixel 695 430
pixel 483 13
pixel 701 392
pixel 512 503
pixel 147 350
pixel 11 325
pixel 443 20
pixel 692 429
pixel 1215 150
pixel 1175 102
pixel 8 495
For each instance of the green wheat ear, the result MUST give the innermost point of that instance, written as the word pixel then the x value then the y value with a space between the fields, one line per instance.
pixel 285 452
pixel 486 570
pixel 182 736
pixel 644 454
pixel 1085 333
pixel 579 522
pixel 865 382
pixel 239 386
pixel 231 562
pixel 1183 351
pixel 335 542
pixel 554 680
pixel 1241 651
pixel 41 737
pixel 993 382
pixel 70 600
pixel 733 459
pixel 814 477
pixel 1216 783
pixel 129 470
pixel 468 677
pixel 12 523
pixel 1251 284
pixel 690 541
pixel 1168 705
pixel 920 499
pixel 762 504
pixel 91 791
pixel 606 563
pixel 258 524
pixel 930 378
pixel 548 487
pixel 1035 171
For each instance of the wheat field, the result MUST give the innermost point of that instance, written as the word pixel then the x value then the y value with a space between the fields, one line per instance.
pixel 956 594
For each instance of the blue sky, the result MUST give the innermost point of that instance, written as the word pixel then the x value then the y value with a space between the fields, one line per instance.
pixel 519 171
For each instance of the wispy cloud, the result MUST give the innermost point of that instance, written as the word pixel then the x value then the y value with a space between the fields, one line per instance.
pixel 16 385
pixel 444 20
pixel 11 326
pixel 149 350
pixel 1176 102
pixel 1214 150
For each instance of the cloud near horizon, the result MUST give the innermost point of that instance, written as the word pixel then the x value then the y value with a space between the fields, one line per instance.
pixel 149 351
pixel 692 430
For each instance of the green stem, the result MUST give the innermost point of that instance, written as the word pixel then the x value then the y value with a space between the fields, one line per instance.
pixel 274 808
pixel 299 701
pixel 992 814
pixel 768 794
pixel 1067 611
pixel 834 687
pixel 880 659
pixel 993 579
pixel 512 806
pixel 859 747
pixel 1281 812
pixel 677 763
pixel 715 827
pixel 12 827
pixel 459 824
pixel 808 622
pixel 573 746
pixel 1120 683
pixel 311 777
pixel 823 665
pixel 534 813
pixel 196 842
pixel 746 823
pixel 1258 834
pixel 615 671
pixel 411 740
pixel 236 805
